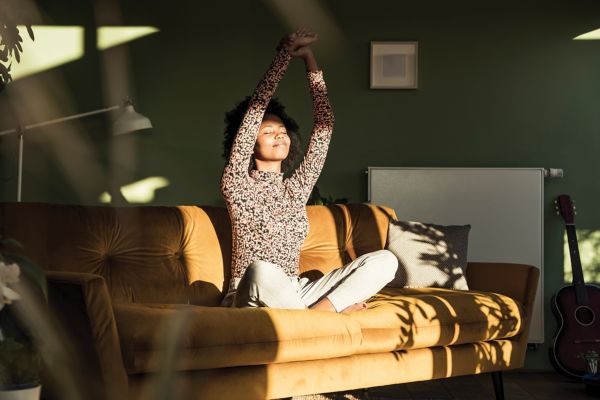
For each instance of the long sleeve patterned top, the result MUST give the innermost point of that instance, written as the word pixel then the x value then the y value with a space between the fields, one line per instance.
pixel 268 214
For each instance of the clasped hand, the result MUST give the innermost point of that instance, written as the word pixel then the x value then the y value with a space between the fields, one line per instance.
pixel 298 43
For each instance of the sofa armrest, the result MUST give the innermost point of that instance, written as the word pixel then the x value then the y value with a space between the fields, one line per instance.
pixel 517 281
pixel 81 303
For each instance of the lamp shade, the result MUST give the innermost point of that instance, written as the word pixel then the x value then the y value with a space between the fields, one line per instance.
pixel 130 121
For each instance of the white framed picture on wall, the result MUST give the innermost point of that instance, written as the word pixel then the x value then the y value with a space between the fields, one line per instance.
pixel 394 65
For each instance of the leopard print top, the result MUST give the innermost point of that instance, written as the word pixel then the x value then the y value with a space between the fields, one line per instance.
pixel 268 214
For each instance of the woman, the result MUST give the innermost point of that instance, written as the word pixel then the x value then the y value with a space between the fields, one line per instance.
pixel 268 215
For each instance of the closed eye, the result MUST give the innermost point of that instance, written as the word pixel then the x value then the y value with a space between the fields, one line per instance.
pixel 271 130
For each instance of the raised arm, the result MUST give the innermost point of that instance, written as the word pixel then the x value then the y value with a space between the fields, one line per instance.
pixel 236 170
pixel 307 173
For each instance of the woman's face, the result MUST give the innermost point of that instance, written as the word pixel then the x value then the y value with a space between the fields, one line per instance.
pixel 273 142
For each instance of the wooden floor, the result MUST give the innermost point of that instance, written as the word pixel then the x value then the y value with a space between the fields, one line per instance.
pixel 517 386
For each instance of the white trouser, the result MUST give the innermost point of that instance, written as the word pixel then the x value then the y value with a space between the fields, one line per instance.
pixel 264 284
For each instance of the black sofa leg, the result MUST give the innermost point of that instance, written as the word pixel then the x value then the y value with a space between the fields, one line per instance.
pixel 498 385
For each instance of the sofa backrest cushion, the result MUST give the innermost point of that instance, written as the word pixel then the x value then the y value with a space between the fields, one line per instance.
pixel 174 254
pixel 340 233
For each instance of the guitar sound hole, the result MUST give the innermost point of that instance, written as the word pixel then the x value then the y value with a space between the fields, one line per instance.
pixel 584 315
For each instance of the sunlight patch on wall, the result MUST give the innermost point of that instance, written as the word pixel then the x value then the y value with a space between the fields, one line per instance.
pixel 589 253
pixel 314 14
pixel 53 46
pixel 110 36
pixel 140 192
pixel 105 198
pixel 592 35
pixel 57 45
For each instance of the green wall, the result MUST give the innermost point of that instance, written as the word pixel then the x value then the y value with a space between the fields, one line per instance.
pixel 501 84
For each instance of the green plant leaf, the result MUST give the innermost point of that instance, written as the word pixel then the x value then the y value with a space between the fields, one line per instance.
pixel 8 243
pixel 4 72
pixel 10 345
pixel 20 362
pixel 30 32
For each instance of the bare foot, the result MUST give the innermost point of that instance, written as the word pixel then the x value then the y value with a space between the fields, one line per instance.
pixel 355 307
pixel 325 305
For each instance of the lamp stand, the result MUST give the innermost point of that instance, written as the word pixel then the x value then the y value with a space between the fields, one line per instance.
pixel 20 173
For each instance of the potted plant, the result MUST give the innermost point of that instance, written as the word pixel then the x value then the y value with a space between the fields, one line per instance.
pixel 20 359
pixel 592 378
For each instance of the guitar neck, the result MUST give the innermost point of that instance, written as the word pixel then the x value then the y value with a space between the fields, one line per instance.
pixel 578 280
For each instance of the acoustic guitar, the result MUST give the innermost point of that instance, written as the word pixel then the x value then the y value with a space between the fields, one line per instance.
pixel 577 309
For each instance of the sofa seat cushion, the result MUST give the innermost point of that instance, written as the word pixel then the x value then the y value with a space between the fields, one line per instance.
pixel 188 337
pixel 402 318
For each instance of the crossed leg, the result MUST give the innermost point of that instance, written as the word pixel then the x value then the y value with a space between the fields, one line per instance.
pixel 344 289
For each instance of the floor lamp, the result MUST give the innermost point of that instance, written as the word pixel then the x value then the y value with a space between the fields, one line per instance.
pixel 128 121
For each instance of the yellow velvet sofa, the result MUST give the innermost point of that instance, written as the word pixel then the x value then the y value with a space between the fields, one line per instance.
pixel 137 290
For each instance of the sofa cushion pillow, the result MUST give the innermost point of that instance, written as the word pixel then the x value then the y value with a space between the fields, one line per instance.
pixel 429 255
